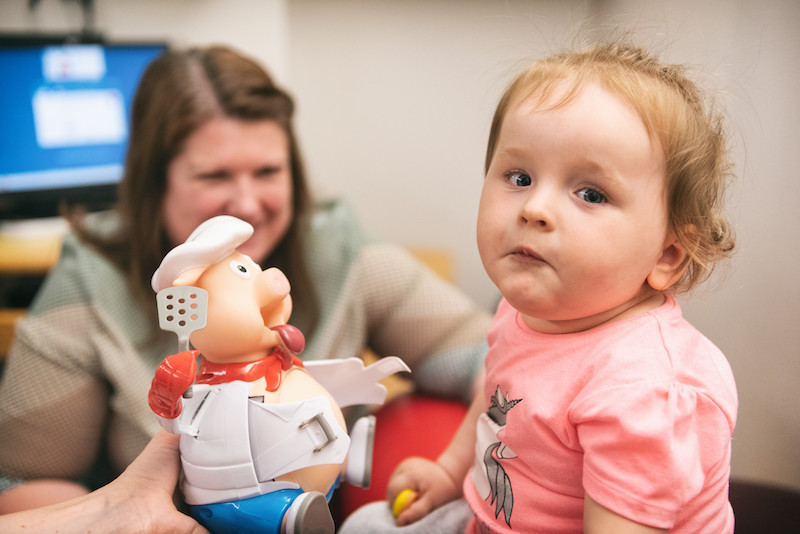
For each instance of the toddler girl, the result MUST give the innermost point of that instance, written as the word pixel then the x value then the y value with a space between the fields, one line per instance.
pixel 603 410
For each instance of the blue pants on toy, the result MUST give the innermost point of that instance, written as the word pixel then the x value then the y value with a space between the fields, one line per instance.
pixel 256 515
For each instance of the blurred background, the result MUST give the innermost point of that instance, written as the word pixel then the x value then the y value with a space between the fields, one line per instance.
pixel 394 104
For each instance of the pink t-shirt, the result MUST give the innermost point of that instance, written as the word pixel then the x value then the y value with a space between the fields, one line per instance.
pixel 638 414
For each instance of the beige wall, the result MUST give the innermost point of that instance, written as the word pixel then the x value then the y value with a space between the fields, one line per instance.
pixel 395 99
pixel 255 26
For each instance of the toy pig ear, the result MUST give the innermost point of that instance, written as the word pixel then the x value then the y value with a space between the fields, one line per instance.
pixel 188 277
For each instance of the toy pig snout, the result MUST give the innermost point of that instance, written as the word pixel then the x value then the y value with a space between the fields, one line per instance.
pixel 272 286
pixel 272 295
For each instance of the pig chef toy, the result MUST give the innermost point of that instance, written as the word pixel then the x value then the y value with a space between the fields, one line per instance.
pixel 263 440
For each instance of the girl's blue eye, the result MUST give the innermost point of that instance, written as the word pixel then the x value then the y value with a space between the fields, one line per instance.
pixel 592 196
pixel 519 179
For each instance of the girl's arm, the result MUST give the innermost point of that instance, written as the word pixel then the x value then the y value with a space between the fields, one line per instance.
pixel 598 519
pixel 460 454
pixel 437 483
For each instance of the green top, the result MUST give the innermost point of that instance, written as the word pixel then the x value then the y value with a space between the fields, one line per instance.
pixel 76 380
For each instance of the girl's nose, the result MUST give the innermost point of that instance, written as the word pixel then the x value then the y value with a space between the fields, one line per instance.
pixel 538 208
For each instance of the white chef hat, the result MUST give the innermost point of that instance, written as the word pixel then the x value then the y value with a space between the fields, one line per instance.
pixel 210 242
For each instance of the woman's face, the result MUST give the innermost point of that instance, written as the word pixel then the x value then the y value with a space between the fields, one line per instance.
pixel 232 167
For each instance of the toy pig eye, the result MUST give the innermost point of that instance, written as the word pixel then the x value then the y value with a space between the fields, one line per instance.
pixel 240 269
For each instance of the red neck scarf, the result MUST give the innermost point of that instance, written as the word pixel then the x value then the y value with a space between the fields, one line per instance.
pixel 268 367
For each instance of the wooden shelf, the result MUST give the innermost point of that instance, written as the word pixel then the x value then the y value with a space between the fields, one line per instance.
pixel 28 254
pixel 8 317
pixel 26 248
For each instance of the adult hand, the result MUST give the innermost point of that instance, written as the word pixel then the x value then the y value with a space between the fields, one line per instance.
pixel 140 500
pixel 145 489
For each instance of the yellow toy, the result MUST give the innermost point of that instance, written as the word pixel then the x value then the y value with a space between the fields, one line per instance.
pixel 402 501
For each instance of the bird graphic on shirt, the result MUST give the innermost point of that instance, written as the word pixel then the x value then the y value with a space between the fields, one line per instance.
pixel 501 495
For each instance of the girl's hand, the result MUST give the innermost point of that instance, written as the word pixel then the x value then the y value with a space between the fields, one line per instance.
pixel 433 486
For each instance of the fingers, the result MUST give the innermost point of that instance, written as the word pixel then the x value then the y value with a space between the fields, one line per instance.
pixel 159 462
pixel 403 501
pixel 406 476
pixel 415 511
pixel 417 487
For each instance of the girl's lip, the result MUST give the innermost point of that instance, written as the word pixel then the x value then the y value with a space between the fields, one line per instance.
pixel 527 253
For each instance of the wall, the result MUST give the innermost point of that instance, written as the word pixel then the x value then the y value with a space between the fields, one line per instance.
pixel 395 100
pixel 257 27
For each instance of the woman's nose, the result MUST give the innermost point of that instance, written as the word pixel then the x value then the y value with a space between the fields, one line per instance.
pixel 244 201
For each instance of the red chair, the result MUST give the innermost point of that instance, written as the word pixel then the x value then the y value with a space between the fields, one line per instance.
pixel 408 426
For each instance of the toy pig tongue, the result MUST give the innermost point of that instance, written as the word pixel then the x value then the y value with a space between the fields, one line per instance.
pixel 291 336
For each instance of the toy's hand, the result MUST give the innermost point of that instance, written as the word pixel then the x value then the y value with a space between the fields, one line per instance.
pixel 431 486
pixel 173 376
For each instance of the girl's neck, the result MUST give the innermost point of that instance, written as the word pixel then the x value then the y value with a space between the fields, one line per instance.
pixel 641 304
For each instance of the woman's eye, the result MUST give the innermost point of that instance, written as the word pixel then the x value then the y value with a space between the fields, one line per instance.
pixel 240 269
pixel 267 172
pixel 519 179
pixel 213 176
pixel 592 196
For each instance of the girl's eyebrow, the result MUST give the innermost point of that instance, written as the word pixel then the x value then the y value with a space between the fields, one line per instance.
pixel 516 151
pixel 579 164
pixel 598 171
pixel 592 167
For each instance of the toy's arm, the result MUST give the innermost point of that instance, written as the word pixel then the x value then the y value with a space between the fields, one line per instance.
pixel 349 382
pixel 175 374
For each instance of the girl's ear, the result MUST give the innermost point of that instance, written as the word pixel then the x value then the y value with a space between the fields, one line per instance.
pixel 670 266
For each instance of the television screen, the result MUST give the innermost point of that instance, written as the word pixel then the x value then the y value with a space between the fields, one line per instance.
pixel 65 112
